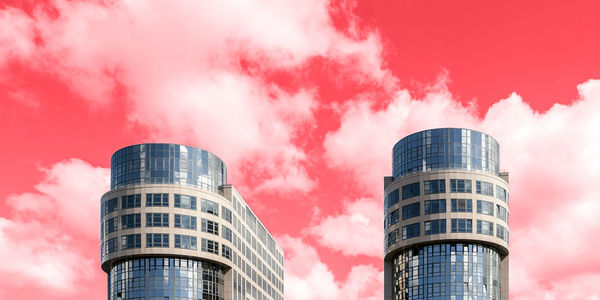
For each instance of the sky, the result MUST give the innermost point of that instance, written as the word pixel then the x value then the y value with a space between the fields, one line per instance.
pixel 303 100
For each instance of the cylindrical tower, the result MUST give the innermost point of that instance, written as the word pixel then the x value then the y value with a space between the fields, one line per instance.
pixel 172 228
pixel 446 218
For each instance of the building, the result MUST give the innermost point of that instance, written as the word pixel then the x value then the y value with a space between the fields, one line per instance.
pixel 172 228
pixel 446 218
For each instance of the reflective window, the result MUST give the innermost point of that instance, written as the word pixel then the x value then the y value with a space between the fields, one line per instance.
pixel 412 230
pixel 226 214
pixel 111 205
pixel 391 219
pixel 460 186
pixel 501 233
pixel 157 220
pixel 462 225
pixel 502 214
pixel 434 186
pixel 226 252
pixel 411 210
pixel 131 241
pixel 131 221
pixel 485 208
pixel 484 188
pixel 185 242
pixel 392 237
pixel 226 233
pixel 392 198
pixel 410 190
pixel 210 226
pixel 435 226
pixel 485 227
pixel 462 205
pixel 435 206
pixel 185 201
pixel 501 193
pixel 210 207
pixel 157 240
pixel 112 245
pixel 157 200
pixel 131 201
pixel 111 225
pixel 185 221
pixel 210 246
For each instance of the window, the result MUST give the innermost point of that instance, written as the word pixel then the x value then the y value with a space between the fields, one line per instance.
pixel 210 226
pixel 157 199
pixel 210 207
pixel 462 225
pixel 435 206
pixel 184 221
pixel 131 241
pixel 185 242
pixel 411 210
pixel 131 221
pixel 111 225
pixel 392 218
pixel 210 246
pixel 484 188
pixel 392 198
pixel 485 227
pixel 410 231
pixel 501 233
pixel 434 186
pixel 435 226
pixel 502 214
pixel 501 193
pixel 131 201
pixel 112 245
pixel 462 205
pixel 460 186
pixel 485 208
pixel 392 237
pixel 226 233
pixel 410 190
pixel 226 251
pixel 111 205
pixel 185 201
pixel 157 220
pixel 157 240
pixel 226 214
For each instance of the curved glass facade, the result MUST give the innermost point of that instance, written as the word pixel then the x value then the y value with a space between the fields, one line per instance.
pixel 446 148
pixel 440 271
pixel 167 163
pixel 165 278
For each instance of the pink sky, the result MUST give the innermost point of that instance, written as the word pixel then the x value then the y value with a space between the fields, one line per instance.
pixel 303 100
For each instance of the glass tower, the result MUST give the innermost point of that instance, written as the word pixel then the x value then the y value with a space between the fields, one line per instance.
pixel 446 218
pixel 172 228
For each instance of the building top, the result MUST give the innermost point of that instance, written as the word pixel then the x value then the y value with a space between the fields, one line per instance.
pixel 446 148
pixel 169 164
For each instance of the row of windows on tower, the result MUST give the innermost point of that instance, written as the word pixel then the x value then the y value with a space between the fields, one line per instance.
pixel 132 241
pixel 439 186
pixel 437 206
pixel 439 226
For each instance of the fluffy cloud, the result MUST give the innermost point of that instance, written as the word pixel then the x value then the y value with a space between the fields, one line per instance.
pixel 308 278
pixel 552 158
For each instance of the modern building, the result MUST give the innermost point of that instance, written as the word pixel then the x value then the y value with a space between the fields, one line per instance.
pixel 446 218
pixel 172 228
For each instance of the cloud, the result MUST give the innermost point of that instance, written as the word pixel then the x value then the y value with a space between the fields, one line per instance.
pixel 553 165
pixel 308 278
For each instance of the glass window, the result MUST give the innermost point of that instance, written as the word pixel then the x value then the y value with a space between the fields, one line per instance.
pixel 410 190
pixel 226 214
pixel 157 220
pixel 131 201
pixel 485 227
pixel 111 205
pixel 502 214
pixel 434 186
pixel 210 226
pixel 185 242
pixel 460 186
pixel 411 230
pixel 484 188
pixel 501 193
pixel 112 245
pixel 391 219
pixel 485 207
pixel 501 233
pixel 226 252
pixel 392 237
pixel 210 207
pixel 131 241
pixel 157 240
pixel 131 221
pixel 411 210
pixel 435 226
pixel 210 246
pixel 392 198
pixel 435 206
pixel 185 222
pixel 185 201
pixel 226 233
pixel 111 225
pixel 462 225
pixel 462 205
pixel 157 200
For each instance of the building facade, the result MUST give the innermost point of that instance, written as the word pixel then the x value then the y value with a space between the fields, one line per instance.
pixel 446 218
pixel 172 228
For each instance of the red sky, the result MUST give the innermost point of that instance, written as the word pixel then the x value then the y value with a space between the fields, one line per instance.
pixel 303 100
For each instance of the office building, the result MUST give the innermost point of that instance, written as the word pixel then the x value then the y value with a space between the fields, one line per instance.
pixel 446 218
pixel 173 228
